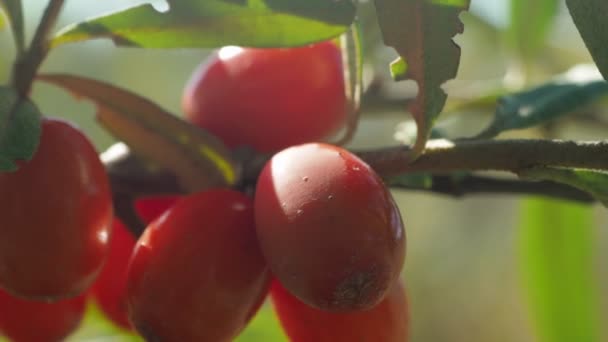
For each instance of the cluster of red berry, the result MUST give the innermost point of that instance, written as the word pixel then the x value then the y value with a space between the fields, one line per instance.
pixel 322 233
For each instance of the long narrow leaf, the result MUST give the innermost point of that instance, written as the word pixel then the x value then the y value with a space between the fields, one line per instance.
pixel 198 159
pixel 556 257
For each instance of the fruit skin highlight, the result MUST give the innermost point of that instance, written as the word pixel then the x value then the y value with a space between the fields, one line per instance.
pixel 57 215
pixel 33 321
pixel 269 99
pixel 197 273
pixel 386 322
pixel 328 227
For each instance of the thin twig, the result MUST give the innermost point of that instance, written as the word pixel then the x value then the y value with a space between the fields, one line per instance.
pixel 130 178
pixel 481 155
pixel 26 67
pixel 473 184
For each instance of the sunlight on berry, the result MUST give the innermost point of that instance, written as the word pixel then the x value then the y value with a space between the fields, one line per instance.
pixel 103 236
pixel 228 52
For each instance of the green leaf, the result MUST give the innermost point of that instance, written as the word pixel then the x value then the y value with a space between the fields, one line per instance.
pixel 541 104
pixel 590 19
pixel 529 24
pixel 19 129
pixel 592 181
pixel 556 254
pixel 14 15
pixel 421 31
pixel 198 159
pixel 214 23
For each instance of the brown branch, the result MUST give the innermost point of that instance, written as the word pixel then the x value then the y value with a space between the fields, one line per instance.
pixel 473 185
pixel 131 178
pixel 479 155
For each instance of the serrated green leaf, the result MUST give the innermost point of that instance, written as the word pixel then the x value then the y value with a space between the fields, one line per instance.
pixel 421 31
pixel 215 23
pixel 590 19
pixel 19 129
pixel 594 182
pixel 541 104
pixel 556 253
pixel 198 159
pixel 529 24
pixel 14 16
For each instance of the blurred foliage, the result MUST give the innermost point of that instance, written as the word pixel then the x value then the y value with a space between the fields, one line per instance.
pixel 556 254
pixel 530 21
pixel 95 327
pixel 542 104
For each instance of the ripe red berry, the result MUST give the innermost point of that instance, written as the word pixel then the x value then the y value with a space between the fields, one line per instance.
pixel 328 227
pixel 56 217
pixel 110 288
pixel 197 273
pixel 386 322
pixel 33 321
pixel 269 99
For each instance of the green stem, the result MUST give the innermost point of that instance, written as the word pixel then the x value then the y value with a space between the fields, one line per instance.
pixel 27 65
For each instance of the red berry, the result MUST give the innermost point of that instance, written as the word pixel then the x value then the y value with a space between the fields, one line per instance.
pixel 33 321
pixel 269 99
pixel 386 322
pixel 110 287
pixel 328 227
pixel 56 217
pixel 197 273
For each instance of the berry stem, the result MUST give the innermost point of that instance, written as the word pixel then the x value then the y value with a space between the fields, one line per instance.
pixel 27 64
pixel 131 179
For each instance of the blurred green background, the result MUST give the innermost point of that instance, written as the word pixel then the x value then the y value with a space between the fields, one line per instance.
pixel 479 268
